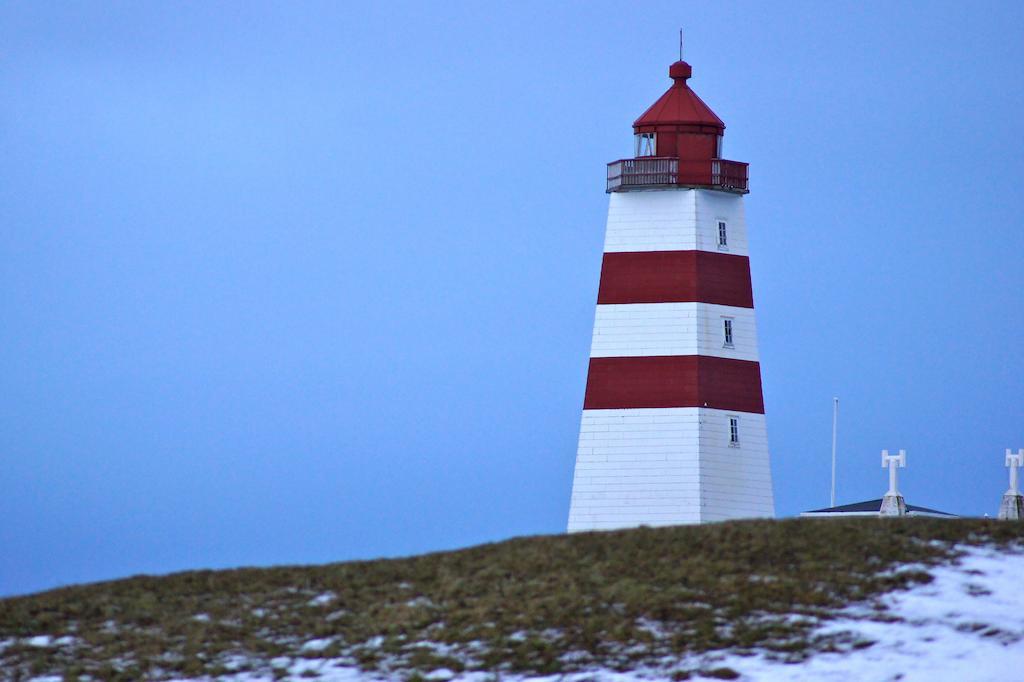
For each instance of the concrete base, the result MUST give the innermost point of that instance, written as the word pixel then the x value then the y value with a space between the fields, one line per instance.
pixel 893 505
pixel 1012 507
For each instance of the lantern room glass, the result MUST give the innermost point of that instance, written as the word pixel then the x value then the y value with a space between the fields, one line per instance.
pixel 645 144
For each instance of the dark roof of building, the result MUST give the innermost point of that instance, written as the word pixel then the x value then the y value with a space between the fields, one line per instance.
pixel 873 506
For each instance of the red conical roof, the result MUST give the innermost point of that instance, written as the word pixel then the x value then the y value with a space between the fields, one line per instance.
pixel 679 105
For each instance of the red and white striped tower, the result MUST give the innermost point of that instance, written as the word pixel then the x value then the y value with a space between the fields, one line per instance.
pixel 673 427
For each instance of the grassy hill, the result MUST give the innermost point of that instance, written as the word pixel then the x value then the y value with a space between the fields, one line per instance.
pixel 644 598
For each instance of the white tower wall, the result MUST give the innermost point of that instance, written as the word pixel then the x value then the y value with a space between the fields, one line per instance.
pixel 675 220
pixel 671 465
pixel 668 466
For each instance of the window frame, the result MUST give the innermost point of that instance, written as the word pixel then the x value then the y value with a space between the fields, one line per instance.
pixel 723 234
pixel 728 332
pixel 734 431
pixel 639 146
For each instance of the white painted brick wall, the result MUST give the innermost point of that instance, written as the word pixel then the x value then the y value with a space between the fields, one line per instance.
pixel 668 466
pixel 642 329
pixel 675 220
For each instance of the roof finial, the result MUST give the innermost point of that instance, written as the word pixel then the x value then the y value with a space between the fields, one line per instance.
pixel 680 44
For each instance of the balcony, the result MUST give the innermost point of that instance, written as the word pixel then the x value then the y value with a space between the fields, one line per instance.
pixel 654 172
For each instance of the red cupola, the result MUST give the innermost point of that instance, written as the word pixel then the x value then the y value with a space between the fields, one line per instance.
pixel 678 141
pixel 680 124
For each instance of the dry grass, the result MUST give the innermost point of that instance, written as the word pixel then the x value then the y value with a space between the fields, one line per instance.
pixel 541 605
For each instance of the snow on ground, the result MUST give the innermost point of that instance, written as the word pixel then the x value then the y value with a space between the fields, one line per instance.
pixel 966 625
pixel 323 599
pixel 318 644
pixel 41 641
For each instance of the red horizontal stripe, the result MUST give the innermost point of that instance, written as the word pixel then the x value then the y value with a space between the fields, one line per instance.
pixel 674 381
pixel 676 276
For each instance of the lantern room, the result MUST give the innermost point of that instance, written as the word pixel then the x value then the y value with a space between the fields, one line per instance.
pixel 678 141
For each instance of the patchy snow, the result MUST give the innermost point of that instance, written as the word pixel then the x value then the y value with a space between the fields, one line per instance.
pixel 323 599
pixel 419 602
pixel 281 662
pixel 374 642
pixel 967 624
pixel 40 640
pixel 654 628
pixel 318 644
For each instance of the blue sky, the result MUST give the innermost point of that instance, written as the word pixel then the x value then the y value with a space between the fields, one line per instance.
pixel 303 282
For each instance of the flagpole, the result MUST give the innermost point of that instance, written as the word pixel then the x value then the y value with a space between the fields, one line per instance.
pixel 835 419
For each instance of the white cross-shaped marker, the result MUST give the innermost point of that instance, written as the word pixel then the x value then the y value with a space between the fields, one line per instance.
pixel 893 461
pixel 1014 461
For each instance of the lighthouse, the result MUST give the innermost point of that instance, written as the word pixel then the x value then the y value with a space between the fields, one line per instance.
pixel 673 428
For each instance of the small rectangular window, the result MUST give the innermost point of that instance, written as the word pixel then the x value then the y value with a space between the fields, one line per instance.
pixel 727 331
pixel 646 144
pixel 723 235
pixel 734 431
